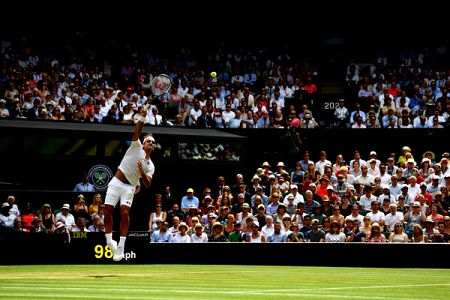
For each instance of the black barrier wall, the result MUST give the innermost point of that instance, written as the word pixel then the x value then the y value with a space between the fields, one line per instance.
pixel 89 248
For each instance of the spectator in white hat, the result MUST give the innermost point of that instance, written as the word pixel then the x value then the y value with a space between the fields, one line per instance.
pixel 410 168
pixel 294 192
pixel 425 169
pixel 433 187
pixel 66 217
pixel 255 184
pixel 445 169
pixel 280 168
pixel 182 236
pixel 217 234
pixel 199 236
pixel 188 200
pixel 373 155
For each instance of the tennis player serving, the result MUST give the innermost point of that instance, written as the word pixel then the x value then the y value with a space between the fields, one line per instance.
pixel 136 165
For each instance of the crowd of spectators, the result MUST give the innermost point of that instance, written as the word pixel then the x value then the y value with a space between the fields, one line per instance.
pixel 397 200
pixel 408 91
pixel 65 219
pixel 254 88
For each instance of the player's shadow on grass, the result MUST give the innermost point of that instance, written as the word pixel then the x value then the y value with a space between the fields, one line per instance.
pixel 103 276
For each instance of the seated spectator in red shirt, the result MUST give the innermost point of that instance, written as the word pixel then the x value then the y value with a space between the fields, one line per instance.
pixel 27 216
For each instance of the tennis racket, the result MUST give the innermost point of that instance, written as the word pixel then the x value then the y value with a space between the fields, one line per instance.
pixel 160 84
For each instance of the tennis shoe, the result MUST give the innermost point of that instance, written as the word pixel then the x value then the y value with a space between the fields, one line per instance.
pixel 113 246
pixel 118 255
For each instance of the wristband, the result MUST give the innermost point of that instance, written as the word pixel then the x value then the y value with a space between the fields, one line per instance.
pixel 142 119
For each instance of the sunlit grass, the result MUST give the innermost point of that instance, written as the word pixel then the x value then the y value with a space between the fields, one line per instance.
pixel 219 282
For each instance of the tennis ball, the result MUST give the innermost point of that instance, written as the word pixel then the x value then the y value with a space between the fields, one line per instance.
pixel 213 74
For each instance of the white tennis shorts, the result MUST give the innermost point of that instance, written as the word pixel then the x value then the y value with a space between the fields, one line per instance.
pixel 117 190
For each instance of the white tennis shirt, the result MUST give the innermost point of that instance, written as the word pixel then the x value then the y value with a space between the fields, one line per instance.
pixel 128 165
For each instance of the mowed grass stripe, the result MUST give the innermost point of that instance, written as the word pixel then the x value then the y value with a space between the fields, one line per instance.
pixel 119 288
pixel 176 272
pixel 81 271
pixel 168 270
pixel 152 286
pixel 347 290
pixel 220 282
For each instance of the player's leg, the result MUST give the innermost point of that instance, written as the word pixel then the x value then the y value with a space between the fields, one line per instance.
pixel 112 244
pixel 125 205
pixel 124 220
pixel 124 225
pixel 109 211
pixel 111 199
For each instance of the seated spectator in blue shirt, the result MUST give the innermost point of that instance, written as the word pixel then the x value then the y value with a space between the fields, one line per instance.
pixel 387 118
pixel 277 236
pixel 189 200
pixel 359 112
pixel 162 235
pixel 84 185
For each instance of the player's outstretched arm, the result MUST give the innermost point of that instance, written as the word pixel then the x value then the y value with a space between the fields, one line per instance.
pixel 140 124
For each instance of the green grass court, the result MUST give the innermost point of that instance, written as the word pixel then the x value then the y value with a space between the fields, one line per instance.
pixel 219 282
